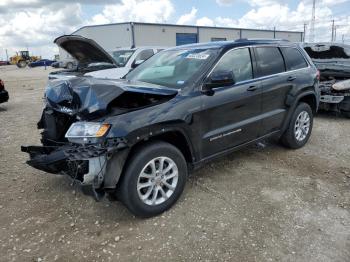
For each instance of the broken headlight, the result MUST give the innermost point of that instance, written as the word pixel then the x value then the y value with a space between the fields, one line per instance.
pixel 86 131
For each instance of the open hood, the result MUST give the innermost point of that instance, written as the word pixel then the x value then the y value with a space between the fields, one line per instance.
pixel 84 50
pixel 89 98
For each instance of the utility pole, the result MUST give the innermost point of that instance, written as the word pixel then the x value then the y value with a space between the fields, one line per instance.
pixel 342 38
pixel 7 55
pixel 313 18
pixel 304 32
pixel 332 40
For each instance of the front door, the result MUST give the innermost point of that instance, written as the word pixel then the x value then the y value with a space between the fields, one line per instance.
pixel 231 116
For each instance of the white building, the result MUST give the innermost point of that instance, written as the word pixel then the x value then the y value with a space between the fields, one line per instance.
pixel 111 36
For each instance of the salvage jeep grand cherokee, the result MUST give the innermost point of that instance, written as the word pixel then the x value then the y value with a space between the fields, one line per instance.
pixel 136 138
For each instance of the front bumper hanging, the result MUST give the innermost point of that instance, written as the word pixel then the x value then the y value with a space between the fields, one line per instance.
pixel 85 164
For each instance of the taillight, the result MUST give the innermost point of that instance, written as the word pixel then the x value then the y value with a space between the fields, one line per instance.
pixel 2 86
pixel 318 75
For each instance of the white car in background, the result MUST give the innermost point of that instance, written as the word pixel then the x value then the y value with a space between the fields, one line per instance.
pixel 96 62
pixel 126 59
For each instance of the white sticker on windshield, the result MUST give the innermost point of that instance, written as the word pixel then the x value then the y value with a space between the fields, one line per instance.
pixel 197 56
pixel 180 82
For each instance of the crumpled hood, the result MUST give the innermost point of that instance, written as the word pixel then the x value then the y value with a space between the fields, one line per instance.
pixel 88 97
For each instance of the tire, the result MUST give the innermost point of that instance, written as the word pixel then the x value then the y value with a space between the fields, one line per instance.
pixel 141 161
pixel 69 66
pixel 21 64
pixel 291 137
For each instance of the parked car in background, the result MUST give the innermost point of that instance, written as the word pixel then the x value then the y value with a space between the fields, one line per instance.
pixel 41 62
pixel 94 61
pixel 56 64
pixel 137 138
pixel 333 62
pixel 66 63
pixel 2 63
pixel 126 59
pixel 4 95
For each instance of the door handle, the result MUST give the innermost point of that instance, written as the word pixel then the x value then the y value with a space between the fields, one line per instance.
pixel 252 88
pixel 291 78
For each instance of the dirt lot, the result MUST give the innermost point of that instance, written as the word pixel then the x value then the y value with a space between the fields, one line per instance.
pixel 259 204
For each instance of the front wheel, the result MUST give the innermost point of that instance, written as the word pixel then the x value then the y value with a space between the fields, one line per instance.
pixel 69 66
pixel 300 127
pixel 154 179
pixel 21 64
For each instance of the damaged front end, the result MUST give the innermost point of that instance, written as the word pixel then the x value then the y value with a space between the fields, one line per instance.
pixel 75 124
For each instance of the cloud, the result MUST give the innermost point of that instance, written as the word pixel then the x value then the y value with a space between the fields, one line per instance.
pixel 188 18
pixel 34 24
pixel 7 6
pixel 205 21
pixel 153 11
pixel 36 29
pixel 225 2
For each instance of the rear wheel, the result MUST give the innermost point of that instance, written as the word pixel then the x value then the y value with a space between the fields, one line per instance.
pixel 300 127
pixel 154 179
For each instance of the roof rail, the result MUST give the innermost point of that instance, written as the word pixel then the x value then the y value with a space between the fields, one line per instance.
pixel 262 39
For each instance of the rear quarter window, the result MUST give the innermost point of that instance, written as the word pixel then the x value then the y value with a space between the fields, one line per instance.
pixel 293 58
pixel 269 60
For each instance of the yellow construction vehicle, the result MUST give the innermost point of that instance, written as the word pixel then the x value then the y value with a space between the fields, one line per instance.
pixel 22 58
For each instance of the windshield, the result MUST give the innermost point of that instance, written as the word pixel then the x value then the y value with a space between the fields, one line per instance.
pixel 173 68
pixel 122 56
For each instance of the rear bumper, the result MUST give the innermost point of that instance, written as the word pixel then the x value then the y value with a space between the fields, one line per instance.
pixel 4 96
pixel 85 164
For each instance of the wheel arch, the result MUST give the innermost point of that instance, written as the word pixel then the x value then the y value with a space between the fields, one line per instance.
pixel 175 137
pixel 308 97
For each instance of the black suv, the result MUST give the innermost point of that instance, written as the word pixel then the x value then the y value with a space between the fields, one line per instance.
pixel 137 138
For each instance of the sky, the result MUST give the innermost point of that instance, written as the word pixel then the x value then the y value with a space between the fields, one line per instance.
pixel 34 24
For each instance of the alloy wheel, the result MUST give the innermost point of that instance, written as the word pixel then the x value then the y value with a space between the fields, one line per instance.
pixel 157 181
pixel 302 126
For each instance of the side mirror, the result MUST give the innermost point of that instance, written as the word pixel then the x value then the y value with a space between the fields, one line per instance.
pixel 137 63
pixel 219 79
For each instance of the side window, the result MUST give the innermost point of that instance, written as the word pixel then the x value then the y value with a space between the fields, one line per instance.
pixel 293 58
pixel 144 54
pixel 269 60
pixel 238 61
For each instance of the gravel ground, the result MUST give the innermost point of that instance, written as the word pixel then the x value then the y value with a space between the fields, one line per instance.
pixel 258 204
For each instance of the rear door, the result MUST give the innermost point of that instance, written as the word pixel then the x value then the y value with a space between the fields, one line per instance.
pixel 230 116
pixel 276 83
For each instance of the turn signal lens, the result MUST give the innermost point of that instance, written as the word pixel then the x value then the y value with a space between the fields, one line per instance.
pixel 103 130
